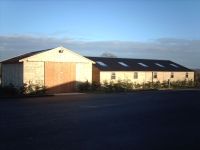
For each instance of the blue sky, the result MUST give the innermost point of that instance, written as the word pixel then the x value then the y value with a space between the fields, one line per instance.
pixel 162 29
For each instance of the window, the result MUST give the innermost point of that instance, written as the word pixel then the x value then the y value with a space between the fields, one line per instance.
pixel 143 65
pixel 101 64
pixel 174 65
pixel 113 76
pixel 159 65
pixel 172 75
pixel 186 75
pixel 155 75
pixel 123 64
pixel 60 51
pixel 135 75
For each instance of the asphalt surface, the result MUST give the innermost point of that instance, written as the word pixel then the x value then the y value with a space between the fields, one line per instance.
pixel 135 121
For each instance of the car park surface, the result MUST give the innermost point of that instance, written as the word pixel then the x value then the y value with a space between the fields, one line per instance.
pixel 115 121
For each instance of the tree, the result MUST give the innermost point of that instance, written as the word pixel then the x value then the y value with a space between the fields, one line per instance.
pixel 109 55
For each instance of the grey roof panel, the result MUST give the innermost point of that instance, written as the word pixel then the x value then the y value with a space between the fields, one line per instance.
pixel 113 65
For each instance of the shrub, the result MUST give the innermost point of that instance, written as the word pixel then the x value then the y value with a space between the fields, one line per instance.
pixel 108 87
pixel 40 89
pixel 9 90
pixel 127 86
pixel 156 85
pixel 197 79
pixel 182 84
pixel 165 84
pixel 95 86
pixel 147 85
pixel 119 86
pixel 84 87
pixel 197 84
pixel 190 83
pixel 32 89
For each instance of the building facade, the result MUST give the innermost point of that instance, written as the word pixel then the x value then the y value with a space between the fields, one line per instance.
pixel 58 69
pixel 139 71
pixel 61 70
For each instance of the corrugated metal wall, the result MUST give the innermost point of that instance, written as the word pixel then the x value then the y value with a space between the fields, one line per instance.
pixel 12 74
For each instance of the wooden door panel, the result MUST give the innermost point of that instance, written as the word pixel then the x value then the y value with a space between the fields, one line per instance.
pixel 60 77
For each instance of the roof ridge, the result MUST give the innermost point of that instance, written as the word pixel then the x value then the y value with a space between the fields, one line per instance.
pixel 127 58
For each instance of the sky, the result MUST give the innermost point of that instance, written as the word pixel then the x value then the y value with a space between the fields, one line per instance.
pixel 153 29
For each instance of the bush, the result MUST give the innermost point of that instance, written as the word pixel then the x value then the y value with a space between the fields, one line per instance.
pixel 182 84
pixel 107 87
pixel 9 90
pixel 84 87
pixel 32 89
pixel 156 85
pixel 147 85
pixel 127 86
pixel 95 86
pixel 119 86
pixel 197 84
pixel 165 84
pixel 197 79
pixel 137 86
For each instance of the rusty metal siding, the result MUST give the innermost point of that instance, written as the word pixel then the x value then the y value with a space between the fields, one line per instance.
pixel 12 74
pixel 60 77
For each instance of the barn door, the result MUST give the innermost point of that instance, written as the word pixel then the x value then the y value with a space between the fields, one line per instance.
pixel 60 77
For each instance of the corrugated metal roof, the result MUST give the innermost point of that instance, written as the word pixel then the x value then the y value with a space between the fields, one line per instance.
pixel 136 64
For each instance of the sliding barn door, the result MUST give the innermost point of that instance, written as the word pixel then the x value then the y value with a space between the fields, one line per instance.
pixel 60 77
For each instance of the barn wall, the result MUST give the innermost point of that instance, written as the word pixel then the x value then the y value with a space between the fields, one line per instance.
pixel 84 72
pixel 12 74
pixel 95 74
pixel 34 73
pixel 180 76
pixel 144 77
pixel 34 66
pixel 55 55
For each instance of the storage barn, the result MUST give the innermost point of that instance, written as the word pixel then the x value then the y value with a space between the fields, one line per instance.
pixel 60 70
pixel 138 70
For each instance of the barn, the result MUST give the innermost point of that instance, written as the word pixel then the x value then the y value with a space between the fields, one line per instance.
pixel 138 71
pixel 61 70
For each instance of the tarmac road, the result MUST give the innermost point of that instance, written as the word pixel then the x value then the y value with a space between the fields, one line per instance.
pixel 147 120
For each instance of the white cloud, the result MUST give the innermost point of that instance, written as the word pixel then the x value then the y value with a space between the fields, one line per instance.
pixel 183 51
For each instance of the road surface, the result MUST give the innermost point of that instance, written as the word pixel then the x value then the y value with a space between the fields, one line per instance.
pixel 146 120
